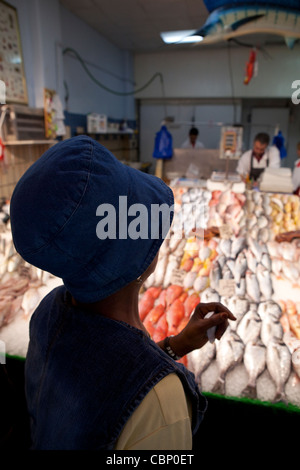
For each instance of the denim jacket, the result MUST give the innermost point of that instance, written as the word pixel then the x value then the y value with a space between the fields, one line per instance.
pixel 85 374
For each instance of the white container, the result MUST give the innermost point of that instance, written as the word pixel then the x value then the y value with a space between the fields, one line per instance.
pixel 96 123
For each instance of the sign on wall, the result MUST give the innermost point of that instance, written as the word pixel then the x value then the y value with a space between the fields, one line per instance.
pixel 11 60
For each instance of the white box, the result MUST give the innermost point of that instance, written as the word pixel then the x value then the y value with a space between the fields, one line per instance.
pixel 96 123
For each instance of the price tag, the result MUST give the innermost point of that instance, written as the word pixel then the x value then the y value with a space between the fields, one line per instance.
pixel 225 231
pixel 226 287
pixel 178 277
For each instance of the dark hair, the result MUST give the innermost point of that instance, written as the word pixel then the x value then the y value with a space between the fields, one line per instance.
pixel 194 131
pixel 263 138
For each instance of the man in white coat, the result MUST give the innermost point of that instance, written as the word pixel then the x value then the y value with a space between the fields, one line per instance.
pixel 193 142
pixel 255 161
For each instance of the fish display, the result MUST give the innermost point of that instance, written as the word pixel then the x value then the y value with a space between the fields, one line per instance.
pixel 221 248
pixel 246 259
pixel 19 281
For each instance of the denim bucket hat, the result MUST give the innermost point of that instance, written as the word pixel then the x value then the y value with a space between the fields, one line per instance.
pixel 87 218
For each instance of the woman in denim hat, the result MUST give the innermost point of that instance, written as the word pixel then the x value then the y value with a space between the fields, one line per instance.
pixel 94 377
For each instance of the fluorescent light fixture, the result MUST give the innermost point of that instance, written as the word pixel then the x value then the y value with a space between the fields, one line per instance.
pixel 180 37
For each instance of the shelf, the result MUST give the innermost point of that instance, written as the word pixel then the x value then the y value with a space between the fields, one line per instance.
pixel 112 132
pixel 29 142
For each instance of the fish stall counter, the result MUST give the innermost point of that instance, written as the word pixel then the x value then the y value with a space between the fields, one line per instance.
pixel 233 258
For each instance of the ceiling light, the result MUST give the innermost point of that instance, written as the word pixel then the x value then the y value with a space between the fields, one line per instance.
pixel 180 37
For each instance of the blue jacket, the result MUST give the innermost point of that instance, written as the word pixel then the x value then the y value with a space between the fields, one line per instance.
pixel 86 374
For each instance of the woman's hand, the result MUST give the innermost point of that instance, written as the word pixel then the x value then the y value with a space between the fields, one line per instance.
pixel 194 335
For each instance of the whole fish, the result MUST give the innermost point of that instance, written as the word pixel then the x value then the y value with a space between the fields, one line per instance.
pixel 225 247
pixel 210 295
pixel 173 292
pixel 262 221
pixel 222 260
pixel 200 359
pixel 174 315
pixel 278 359
pixel 253 232
pixel 234 20
pixel 237 245
pixel 251 260
pixel 264 281
pixel 190 304
pixel 293 345
pixel 146 303
pixel 229 353
pixel 204 252
pixel 266 261
pixel 251 220
pixel 200 283
pixel 240 267
pixel 173 264
pixel 231 265
pixel 255 363
pixel 256 248
pixel 252 286
pixel 189 279
pixel 271 329
pixel 227 272
pixel 264 234
pixel 239 307
pixel 249 327
pixel 160 270
pixel 269 307
pixel 155 313
pixel 160 331
pixel 215 275
pixel 240 289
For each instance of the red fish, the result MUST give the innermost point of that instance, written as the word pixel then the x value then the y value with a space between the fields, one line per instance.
pixel 161 329
pixel 190 303
pixel 187 264
pixel 162 297
pixel 173 292
pixel 150 327
pixel 174 315
pixel 183 297
pixel 182 324
pixel 155 291
pixel 155 314
pixel 146 304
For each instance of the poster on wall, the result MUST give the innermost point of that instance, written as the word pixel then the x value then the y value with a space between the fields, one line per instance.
pixel 11 60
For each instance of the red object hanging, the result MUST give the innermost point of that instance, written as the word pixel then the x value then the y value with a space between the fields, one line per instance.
pixel 250 67
pixel 2 149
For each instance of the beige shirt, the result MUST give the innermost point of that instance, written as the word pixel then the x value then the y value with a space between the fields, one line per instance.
pixel 161 422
